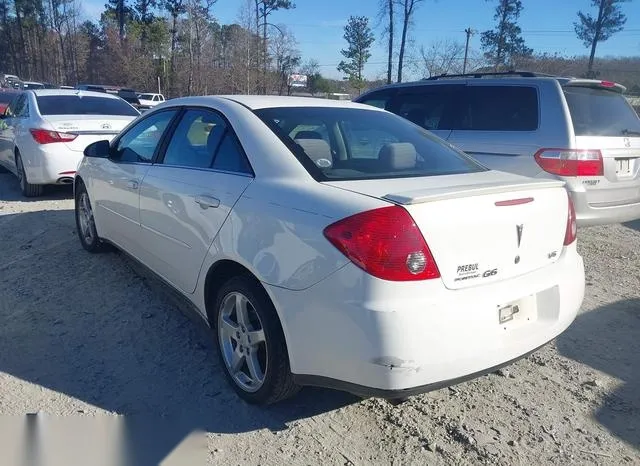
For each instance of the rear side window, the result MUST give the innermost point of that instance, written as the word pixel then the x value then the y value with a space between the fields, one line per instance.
pixel 498 108
pixel 83 105
pixel 432 107
pixel 599 112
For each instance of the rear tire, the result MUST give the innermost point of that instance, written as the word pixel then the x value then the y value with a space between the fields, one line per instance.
pixel 28 189
pixel 85 223
pixel 244 360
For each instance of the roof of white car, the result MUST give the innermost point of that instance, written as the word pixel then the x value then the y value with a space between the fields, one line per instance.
pixel 43 92
pixel 255 102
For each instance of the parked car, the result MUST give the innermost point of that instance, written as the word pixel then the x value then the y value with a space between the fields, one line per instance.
pixel 150 100
pixel 334 244
pixel 32 85
pixel 129 95
pixel 90 87
pixel 581 131
pixel 44 133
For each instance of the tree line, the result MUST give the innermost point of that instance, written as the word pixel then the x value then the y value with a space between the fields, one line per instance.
pixel 503 46
pixel 178 46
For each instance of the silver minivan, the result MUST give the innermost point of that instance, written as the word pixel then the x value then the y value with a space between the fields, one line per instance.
pixel 582 131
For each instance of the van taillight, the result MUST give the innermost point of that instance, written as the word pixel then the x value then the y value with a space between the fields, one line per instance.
pixel 570 162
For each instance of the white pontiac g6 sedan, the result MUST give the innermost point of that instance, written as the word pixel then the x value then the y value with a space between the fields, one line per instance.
pixel 43 133
pixel 334 244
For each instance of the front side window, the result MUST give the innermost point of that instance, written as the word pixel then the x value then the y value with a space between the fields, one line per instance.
pixel 139 143
pixel 363 144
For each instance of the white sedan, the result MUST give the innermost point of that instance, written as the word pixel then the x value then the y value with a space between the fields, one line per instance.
pixel 43 133
pixel 334 244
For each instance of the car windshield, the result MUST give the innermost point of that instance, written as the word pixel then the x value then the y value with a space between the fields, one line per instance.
pixel 83 105
pixel 146 96
pixel 351 144
pixel 599 112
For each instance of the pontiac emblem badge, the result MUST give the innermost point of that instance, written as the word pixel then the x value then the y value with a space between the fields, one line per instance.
pixel 519 233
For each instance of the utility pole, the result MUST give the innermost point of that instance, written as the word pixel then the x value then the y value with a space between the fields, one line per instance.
pixel 469 33
pixel 121 18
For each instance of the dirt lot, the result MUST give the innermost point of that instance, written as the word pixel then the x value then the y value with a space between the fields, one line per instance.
pixel 85 334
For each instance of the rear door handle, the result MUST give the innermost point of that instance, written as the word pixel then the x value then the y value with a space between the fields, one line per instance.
pixel 207 201
pixel 132 184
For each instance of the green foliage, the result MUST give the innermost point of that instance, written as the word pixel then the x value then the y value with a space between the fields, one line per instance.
pixel 610 20
pixel 359 38
pixel 504 44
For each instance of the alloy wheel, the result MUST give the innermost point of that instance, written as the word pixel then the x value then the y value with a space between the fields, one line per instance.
pixel 85 217
pixel 242 342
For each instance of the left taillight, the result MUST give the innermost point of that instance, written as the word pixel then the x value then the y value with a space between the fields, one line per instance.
pixel 385 243
pixel 570 162
pixel 45 136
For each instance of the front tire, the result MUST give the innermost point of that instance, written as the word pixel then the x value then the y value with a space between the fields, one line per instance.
pixel 251 343
pixel 85 223
pixel 28 189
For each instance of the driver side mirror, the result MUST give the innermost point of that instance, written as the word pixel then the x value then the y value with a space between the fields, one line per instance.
pixel 98 149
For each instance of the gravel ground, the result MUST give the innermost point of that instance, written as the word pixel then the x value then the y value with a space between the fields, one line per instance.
pixel 87 335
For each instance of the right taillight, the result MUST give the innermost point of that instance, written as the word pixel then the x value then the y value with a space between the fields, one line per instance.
pixel 572 227
pixel 570 162
pixel 385 243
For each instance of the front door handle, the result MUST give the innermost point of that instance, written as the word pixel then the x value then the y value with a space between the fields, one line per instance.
pixel 207 201
pixel 132 184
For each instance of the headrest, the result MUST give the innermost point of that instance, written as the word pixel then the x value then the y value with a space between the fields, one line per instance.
pixel 398 156
pixel 318 151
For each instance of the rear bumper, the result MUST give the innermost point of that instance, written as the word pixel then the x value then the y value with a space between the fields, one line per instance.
pixel 588 215
pixel 369 336
pixel 360 390
pixel 51 165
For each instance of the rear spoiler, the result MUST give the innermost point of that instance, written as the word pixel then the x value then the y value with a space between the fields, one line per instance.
pixel 456 192
pixel 596 84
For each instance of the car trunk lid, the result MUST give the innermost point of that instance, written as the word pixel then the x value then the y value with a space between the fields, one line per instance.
pixel 482 227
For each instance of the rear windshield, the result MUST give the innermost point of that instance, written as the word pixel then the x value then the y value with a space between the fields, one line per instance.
pixel 146 96
pixel 83 105
pixel 351 144
pixel 598 112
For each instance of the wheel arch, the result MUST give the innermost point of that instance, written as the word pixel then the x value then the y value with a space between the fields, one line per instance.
pixel 217 275
pixel 76 182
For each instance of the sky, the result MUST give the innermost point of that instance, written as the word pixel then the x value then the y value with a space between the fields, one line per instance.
pixel 547 26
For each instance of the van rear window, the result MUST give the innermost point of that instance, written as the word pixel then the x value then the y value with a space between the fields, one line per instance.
pixel 600 112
